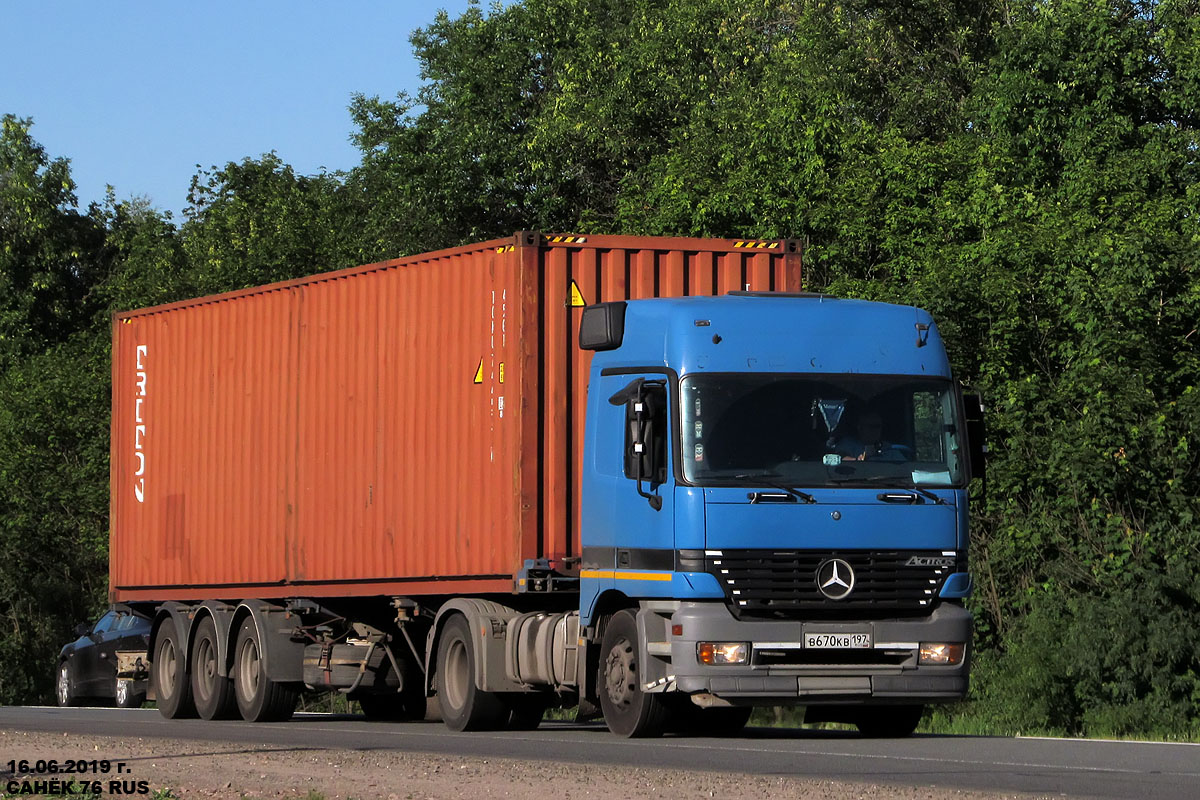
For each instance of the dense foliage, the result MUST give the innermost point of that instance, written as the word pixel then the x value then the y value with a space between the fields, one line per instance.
pixel 1026 170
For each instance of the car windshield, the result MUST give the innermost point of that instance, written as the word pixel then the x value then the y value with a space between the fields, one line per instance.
pixel 820 430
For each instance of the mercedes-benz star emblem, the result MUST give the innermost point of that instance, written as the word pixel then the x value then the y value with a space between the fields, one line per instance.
pixel 835 579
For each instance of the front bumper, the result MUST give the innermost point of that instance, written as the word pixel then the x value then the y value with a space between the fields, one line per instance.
pixel 781 671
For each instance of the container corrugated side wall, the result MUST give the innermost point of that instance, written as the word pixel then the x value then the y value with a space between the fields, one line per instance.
pixel 326 436
pixel 410 427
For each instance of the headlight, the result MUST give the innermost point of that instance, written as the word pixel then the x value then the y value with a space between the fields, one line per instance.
pixel 719 653
pixel 946 653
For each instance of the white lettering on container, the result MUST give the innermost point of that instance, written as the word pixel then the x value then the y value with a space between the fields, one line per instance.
pixel 139 428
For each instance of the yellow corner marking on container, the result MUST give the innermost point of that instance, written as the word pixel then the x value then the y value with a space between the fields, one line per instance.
pixel 756 245
pixel 623 575
pixel 479 373
pixel 577 300
pixel 502 372
pixel 505 248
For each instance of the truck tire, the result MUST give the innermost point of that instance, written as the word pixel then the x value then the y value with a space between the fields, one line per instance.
pixel 888 722
pixel 212 692
pixel 64 688
pixel 259 698
pixel 172 689
pixel 465 707
pixel 628 711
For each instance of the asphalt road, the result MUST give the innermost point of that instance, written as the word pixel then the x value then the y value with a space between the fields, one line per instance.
pixel 1074 768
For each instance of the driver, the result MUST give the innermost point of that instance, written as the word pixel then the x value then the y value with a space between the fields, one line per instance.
pixel 867 442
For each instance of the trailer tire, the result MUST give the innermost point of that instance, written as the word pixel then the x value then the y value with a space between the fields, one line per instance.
pixel 628 711
pixel 465 707
pixel 259 699
pixel 888 722
pixel 172 689
pixel 211 691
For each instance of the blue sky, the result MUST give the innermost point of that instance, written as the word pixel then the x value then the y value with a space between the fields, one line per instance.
pixel 137 93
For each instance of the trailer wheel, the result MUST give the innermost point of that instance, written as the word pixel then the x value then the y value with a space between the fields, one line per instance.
pixel 172 688
pixel 259 698
pixel 888 722
pixel 465 707
pixel 628 711
pixel 212 692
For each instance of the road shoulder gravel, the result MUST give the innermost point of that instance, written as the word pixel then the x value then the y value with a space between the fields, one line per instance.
pixel 204 769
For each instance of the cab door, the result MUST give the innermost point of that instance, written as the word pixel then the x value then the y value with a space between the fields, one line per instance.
pixel 628 511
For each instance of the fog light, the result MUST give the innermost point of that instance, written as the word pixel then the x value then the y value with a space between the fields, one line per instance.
pixel 942 653
pixel 715 653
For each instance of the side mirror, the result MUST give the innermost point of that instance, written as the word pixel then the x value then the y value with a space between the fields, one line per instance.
pixel 602 326
pixel 976 437
pixel 82 629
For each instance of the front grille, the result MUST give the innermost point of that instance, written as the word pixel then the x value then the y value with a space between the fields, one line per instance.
pixel 783 583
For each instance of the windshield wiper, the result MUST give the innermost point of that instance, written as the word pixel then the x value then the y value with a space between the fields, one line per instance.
pixel 928 494
pixel 900 485
pixel 763 480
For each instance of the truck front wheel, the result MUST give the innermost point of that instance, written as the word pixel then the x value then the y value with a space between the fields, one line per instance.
pixel 628 711
pixel 259 698
pixel 465 707
pixel 172 688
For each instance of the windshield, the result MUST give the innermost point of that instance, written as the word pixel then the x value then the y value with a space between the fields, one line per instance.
pixel 821 430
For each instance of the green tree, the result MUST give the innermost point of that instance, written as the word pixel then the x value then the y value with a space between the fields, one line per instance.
pixel 256 221
pixel 63 272
pixel 53 508
pixel 452 165
pixel 47 248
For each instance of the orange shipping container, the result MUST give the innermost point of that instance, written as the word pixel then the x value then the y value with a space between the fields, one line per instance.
pixel 408 427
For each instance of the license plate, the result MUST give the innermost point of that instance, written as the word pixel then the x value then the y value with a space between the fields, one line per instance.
pixel 837 641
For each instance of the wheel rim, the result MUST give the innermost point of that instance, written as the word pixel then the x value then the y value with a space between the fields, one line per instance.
pixel 206 668
pixel 457 674
pixel 248 670
pixel 64 685
pixel 620 673
pixel 166 669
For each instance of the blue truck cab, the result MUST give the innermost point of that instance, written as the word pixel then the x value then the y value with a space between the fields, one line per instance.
pixel 774 511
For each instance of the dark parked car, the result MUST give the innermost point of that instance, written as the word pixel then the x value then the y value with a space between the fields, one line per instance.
pixel 87 667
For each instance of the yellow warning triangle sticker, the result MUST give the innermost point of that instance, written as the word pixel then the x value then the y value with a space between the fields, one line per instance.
pixel 479 373
pixel 577 300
